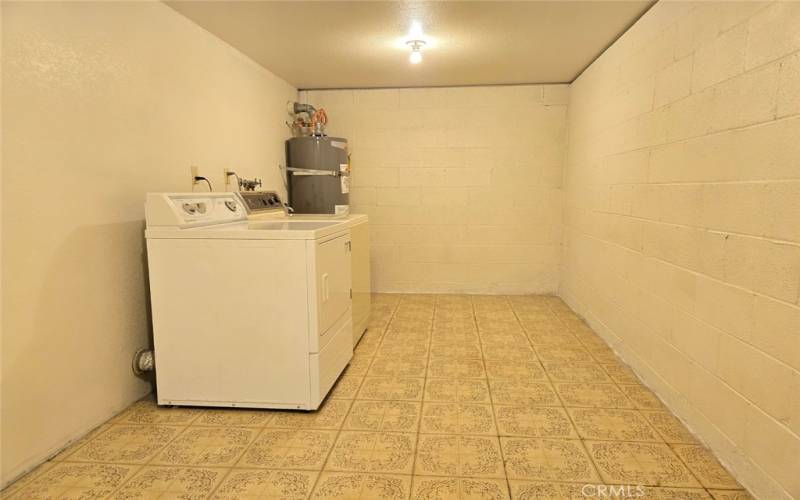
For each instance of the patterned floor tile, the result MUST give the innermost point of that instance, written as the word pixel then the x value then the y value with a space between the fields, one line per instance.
pixel 542 490
pixel 457 390
pixel 444 320
pixel 731 495
pixel 207 447
pixel 592 395
pixel 74 481
pixel 457 418
pixel 669 427
pixel 432 383
pixel 330 415
pixel 346 387
pixel 458 349
pixel 397 367
pixel 21 482
pixel 442 339
pixel 502 332
pixel 131 444
pixel 600 352
pixel 550 337
pixel 414 312
pixel 289 449
pixel 359 486
pixel 620 373
pixel 366 348
pixel 408 323
pixel 493 314
pixel 512 354
pixel 75 445
pixel 534 422
pixel 456 368
pixel 649 464
pixel 705 467
pixel 564 354
pixel 404 349
pixel 576 372
pixel 265 484
pixel 146 411
pixel 394 416
pixel 613 425
pixel 547 460
pixel 187 483
pixel 234 417
pixel 524 370
pixel 391 389
pixel 522 392
pixel 530 490
pixel 458 455
pixel 359 365
pixel 654 493
pixel 454 319
pixel 453 488
pixel 358 451
pixel 642 397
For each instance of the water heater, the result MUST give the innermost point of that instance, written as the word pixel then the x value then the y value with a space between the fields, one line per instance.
pixel 318 174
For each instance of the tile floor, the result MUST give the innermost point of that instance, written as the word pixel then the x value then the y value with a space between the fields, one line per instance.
pixel 447 397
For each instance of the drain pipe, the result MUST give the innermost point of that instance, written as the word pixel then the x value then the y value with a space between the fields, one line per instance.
pixel 143 361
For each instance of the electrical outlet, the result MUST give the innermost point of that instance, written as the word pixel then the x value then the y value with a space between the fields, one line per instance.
pixel 225 175
pixel 195 172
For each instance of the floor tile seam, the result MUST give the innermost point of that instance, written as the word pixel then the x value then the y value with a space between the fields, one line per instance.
pixel 422 399
pixel 335 442
pixel 494 415
pixel 549 378
pixel 572 422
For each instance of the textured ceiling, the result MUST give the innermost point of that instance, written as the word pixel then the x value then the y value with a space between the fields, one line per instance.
pixel 322 44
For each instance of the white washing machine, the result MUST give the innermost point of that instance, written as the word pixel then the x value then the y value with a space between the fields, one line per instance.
pixel 267 205
pixel 254 314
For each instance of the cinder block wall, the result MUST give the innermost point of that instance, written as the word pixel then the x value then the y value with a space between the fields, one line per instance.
pixel 462 185
pixel 682 222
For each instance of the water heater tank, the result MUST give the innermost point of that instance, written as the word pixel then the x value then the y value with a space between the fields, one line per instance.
pixel 318 173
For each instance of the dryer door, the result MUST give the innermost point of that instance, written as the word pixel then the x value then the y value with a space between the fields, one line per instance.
pixel 333 282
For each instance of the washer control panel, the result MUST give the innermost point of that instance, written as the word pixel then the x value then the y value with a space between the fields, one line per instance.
pixel 193 209
pixel 258 202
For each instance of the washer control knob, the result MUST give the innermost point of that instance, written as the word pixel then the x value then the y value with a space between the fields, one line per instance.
pixel 231 205
pixel 190 208
pixel 201 207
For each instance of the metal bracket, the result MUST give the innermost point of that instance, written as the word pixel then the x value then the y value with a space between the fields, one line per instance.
pixel 311 171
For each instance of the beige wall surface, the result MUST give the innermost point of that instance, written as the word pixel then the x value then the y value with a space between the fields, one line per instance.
pixel 682 222
pixel 462 185
pixel 103 102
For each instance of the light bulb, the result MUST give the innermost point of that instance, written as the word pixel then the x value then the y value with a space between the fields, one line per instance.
pixel 415 57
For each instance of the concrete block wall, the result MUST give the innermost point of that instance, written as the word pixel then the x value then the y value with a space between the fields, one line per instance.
pixel 682 222
pixel 462 185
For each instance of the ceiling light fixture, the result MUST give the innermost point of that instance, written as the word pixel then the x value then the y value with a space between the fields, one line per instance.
pixel 415 42
pixel 416 50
